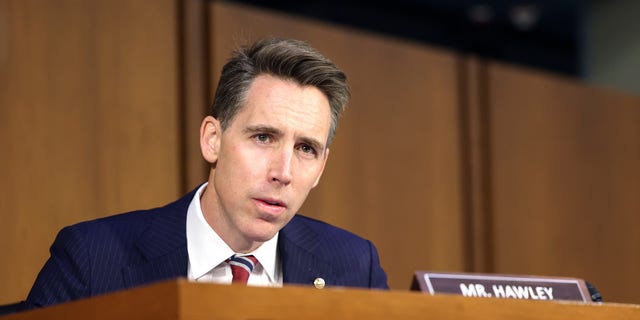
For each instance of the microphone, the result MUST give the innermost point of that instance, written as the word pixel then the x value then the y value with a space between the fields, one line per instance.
pixel 595 294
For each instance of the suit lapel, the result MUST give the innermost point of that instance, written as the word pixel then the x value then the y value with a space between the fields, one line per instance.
pixel 163 246
pixel 297 244
pixel 164 249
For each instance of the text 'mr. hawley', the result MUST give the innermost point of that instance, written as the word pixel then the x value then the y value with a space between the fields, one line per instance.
pixel 507 291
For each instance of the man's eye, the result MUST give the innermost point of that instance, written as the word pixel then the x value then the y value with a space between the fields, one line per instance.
pixel 263 138
pixel 307 149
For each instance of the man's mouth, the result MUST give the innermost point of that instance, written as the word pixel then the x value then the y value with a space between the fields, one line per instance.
pixel 273 202
pixel 269 208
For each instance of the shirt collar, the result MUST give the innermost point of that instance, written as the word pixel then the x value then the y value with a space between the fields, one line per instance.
pixel 207 250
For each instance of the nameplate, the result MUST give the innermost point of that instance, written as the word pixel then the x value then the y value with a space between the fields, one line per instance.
pixel 502 286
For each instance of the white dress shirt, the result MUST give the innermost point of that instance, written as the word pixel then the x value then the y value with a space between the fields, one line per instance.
pixel 208 252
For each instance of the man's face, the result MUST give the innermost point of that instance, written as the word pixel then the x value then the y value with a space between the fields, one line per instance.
pixel 265 162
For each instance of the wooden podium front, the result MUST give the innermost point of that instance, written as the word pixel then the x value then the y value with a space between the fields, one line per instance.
pixel 180 299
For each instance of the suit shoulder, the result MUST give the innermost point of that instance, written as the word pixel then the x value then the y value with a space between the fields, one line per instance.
pixel 130 220
pixel 174 212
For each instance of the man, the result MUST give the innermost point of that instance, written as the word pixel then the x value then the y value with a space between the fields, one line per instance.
pixel 267 140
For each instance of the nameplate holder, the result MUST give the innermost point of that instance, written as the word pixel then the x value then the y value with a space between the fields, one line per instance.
pixel 501 286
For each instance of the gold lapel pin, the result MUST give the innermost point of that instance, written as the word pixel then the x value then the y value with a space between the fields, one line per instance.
pixel 318 283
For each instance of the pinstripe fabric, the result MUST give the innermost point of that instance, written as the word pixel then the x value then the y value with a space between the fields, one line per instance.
pixel 311 249
pixel 141 247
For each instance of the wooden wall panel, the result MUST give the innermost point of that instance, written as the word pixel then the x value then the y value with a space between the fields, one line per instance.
pixel 480 168
pixel 195 87
pixel 393 174
pixel 565 180
pixel 88 120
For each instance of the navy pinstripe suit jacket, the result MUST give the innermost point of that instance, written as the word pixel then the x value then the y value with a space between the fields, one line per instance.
pixel 141 247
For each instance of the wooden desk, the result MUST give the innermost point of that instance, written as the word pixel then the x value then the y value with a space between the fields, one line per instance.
pixel 180 299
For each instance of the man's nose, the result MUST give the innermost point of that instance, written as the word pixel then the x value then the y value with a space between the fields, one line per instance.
pixel 280 168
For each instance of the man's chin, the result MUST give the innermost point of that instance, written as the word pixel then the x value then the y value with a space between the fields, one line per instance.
pixel 263 234
pixel 261 230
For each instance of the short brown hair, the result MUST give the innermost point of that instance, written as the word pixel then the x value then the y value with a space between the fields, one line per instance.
pixel 284 58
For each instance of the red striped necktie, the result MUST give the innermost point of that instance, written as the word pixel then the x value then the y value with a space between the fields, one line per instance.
pixel 241 267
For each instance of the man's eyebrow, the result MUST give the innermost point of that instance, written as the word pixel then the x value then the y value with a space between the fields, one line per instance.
pixel 262 129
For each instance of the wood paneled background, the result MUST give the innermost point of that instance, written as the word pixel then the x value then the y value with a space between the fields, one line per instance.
pixel 88 120
pixel 446 162
pixel 565 179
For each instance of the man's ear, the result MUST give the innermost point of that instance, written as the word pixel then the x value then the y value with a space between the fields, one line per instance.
pixel 324 162
pixel 210 134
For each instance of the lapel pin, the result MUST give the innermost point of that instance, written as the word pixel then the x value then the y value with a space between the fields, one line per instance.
pixel 318 283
